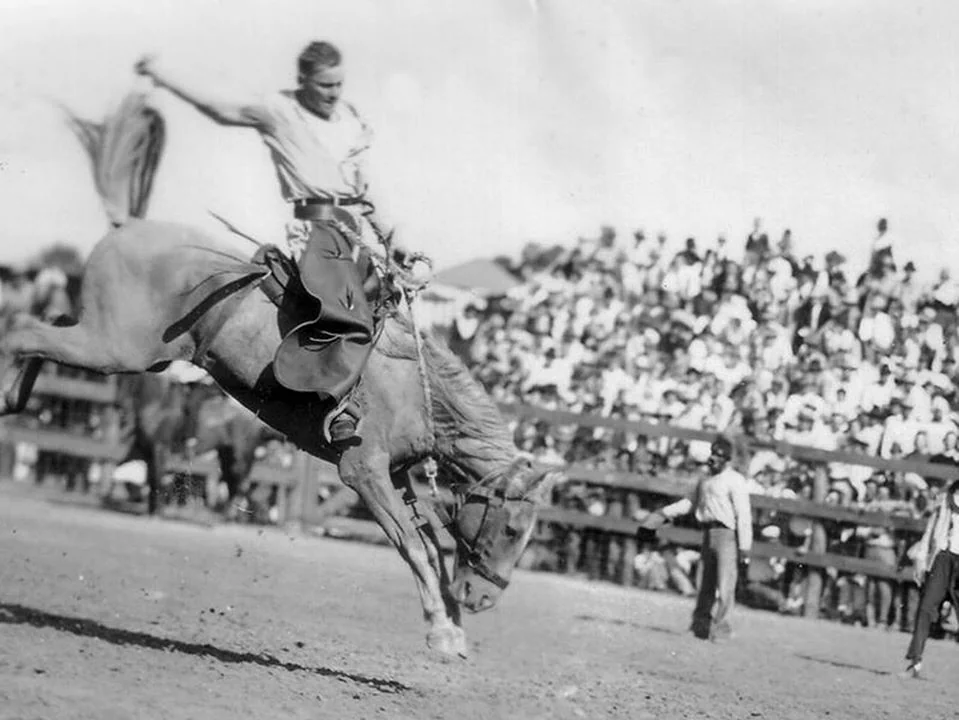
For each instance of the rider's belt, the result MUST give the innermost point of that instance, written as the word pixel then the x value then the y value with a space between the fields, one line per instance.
pixel 318 208
pixel 713 525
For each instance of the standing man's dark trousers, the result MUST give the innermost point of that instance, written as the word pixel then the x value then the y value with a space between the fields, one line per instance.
pixel 940 584
pixel 717 590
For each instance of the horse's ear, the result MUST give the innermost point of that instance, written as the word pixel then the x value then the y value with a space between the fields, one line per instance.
pixel 541 487
pixel 523 461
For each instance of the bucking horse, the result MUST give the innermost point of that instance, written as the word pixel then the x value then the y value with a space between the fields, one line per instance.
pixel 154 292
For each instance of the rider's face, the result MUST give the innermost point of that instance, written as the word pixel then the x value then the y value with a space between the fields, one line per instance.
pixel 322 88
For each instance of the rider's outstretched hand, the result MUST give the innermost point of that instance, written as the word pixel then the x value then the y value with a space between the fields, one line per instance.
pixel 402 257
pixel 144 66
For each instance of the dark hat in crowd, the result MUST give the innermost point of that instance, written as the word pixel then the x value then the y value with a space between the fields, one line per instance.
pixel 684 318
pixel 834 258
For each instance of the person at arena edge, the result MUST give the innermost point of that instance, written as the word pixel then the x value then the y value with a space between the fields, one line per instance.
pixel 936 564
pixel 318 144
pixel 721 505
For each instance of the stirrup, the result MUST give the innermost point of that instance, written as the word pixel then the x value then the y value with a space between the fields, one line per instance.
pixel 332 415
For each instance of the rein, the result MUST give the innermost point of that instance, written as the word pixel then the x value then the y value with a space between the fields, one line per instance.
pixel 429 465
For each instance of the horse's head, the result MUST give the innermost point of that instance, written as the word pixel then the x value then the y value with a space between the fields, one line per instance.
pixel 493 525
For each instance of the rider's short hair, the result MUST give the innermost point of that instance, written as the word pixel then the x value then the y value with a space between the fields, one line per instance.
pixel 316 55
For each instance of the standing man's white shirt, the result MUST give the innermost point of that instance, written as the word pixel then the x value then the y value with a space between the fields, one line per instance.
pixel 722 498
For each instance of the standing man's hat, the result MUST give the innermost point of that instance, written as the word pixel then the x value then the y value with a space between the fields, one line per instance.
pixel 722 448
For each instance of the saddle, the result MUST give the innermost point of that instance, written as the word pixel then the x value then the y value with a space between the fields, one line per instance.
pixel 297 291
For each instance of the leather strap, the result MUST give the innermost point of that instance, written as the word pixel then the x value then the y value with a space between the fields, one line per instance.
pixel 319 208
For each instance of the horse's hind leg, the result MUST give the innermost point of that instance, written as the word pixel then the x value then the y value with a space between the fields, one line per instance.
pixel 368 474
pixel 79 345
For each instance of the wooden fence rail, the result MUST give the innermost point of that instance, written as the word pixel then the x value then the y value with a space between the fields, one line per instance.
pixel 296 486
pixel 619 528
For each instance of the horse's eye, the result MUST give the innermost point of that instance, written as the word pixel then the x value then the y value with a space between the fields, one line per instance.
pixel 511 533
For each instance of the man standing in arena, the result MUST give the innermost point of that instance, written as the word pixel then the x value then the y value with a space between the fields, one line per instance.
pixel 721 505
pixel 936 558
pixel 318 145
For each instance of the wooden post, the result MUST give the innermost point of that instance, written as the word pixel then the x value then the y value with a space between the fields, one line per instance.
pixel 592 550
pixel 613 545
pixel 111 433
pixel 7 460
pixel 302 496
pixel 814 578
pixel 571 550
pixel 626 571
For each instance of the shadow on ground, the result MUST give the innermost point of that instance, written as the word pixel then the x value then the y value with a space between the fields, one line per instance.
pixel 12 614
pixel 629 623
pixel 843 665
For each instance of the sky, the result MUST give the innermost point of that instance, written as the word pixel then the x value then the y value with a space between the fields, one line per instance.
pixel 500 122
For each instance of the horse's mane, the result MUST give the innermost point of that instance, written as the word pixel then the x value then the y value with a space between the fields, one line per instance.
pixel 461 407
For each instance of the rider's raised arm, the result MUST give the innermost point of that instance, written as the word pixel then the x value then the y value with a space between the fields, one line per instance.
pixel 220 111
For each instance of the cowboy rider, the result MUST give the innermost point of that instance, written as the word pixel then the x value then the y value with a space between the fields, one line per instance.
pixel 318 144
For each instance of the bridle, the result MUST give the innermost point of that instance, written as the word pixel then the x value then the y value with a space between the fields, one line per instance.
pixel 478 491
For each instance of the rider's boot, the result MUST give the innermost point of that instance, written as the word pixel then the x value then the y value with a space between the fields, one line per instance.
pixel 340 424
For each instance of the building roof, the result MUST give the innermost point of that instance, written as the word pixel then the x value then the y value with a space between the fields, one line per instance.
pixel 482 276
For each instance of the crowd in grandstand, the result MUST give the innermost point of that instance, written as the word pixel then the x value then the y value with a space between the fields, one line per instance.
pixel 43 291
pixel 799 349
pixel 758 339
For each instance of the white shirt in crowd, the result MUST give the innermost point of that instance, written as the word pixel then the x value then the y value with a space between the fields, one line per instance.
pixel 954 535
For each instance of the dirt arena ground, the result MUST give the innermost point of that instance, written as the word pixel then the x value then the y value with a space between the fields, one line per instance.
pixel 109 617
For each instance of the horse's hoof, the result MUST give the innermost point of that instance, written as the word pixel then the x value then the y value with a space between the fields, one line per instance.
pixel 448 642
pixel 460 644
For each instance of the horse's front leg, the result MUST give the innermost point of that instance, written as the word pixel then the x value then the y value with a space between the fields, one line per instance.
pixel 434 551
pixel 368 474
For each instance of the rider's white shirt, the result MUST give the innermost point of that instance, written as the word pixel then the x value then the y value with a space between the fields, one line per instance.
pixel 313 157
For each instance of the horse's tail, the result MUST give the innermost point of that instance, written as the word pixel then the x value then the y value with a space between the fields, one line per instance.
pixel 124 152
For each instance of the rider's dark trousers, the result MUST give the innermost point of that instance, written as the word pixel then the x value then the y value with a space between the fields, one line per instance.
pixel 338 340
